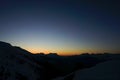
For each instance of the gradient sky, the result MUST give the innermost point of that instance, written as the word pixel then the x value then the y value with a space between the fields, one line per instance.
pixel 61 26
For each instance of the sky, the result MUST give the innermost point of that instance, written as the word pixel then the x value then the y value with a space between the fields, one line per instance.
pixel 61 26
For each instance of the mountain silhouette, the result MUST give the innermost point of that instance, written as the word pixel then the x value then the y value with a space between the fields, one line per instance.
pixel 19 64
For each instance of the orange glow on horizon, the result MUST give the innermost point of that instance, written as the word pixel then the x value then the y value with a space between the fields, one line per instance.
pixel 35 51
pixel 65 53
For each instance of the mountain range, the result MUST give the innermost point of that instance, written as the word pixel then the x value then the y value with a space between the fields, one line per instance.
pixel 19 64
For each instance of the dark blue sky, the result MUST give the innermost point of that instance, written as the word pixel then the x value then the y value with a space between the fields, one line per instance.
pixel 62 26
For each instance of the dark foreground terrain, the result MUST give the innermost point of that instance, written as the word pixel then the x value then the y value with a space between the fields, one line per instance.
pixel 19 64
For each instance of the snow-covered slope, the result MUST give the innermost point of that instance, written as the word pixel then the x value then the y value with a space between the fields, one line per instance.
pixel 109 70
pixel 17 64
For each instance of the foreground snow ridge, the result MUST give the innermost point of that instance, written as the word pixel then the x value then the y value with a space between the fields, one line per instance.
pixel 109 70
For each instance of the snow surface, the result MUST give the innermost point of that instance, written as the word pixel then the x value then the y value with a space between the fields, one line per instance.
pixel 109 70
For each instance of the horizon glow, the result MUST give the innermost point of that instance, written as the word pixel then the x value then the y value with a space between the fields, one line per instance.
pixel 61 27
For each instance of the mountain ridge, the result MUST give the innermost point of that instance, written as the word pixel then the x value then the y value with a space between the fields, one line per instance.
pixel 19 64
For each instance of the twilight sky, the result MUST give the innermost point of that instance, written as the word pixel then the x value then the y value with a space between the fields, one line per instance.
pixel 61 26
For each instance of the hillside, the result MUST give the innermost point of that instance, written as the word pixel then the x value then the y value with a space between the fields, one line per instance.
pixel 19 64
